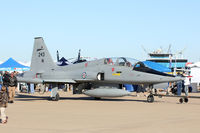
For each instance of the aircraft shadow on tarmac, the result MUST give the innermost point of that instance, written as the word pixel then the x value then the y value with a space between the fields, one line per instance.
pixel 22 97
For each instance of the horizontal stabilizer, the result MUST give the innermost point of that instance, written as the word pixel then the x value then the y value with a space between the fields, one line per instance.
pixel 29 80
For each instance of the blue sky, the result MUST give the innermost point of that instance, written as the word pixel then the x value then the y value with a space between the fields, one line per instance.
pixel 100 28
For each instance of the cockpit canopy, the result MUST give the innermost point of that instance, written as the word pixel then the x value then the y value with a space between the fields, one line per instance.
pixel 135 64
pixel 121 61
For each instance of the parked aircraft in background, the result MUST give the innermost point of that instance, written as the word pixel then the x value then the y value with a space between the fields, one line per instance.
pixel 99 78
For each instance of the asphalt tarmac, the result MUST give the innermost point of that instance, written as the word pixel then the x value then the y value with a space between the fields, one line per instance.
pixel 82 114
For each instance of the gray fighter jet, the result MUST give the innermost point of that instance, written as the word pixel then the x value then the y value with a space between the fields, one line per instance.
pixel 98 78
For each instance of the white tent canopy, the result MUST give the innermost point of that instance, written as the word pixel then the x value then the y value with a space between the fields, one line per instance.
pixel 196 64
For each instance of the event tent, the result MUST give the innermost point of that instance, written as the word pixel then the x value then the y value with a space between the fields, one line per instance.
pixel 12 65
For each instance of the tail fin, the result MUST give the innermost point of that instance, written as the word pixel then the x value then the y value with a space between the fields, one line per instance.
pixel 41 59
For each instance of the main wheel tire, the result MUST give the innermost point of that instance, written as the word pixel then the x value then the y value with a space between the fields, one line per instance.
pixel 56 98
pixel 181 100
pixel 186 100
pixel 150 99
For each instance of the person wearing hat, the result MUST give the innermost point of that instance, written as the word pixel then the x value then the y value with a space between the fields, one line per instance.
pixel 3 104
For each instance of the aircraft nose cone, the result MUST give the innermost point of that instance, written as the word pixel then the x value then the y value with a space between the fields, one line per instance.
pixel 177 78
pixel 171 79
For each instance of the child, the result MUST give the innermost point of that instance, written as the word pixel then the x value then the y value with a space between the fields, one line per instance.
pixel 3 104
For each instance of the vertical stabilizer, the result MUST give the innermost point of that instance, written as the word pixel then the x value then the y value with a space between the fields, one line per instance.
pixel 41 59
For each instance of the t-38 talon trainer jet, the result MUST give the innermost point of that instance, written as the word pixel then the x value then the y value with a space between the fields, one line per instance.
pixel 98 78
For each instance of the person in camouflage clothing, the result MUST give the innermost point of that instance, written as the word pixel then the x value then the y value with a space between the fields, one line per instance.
pixel 3 104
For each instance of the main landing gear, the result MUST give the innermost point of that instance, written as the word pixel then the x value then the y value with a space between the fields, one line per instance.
pixel 150 98
pixel 54 93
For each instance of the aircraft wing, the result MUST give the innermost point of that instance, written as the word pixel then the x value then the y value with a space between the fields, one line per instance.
pixel 59 81
pixel 85 80
pixel 66 80
pixel 38 80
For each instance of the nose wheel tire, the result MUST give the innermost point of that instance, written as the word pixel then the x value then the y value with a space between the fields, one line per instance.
pixel 150 99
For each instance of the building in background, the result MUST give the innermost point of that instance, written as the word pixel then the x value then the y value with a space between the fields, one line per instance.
pixel 174 61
